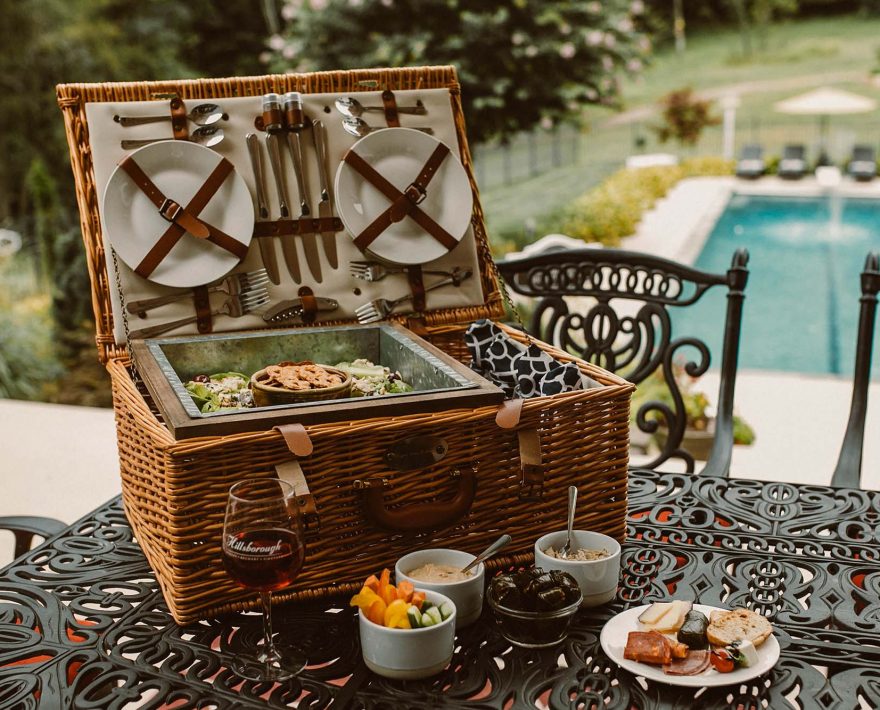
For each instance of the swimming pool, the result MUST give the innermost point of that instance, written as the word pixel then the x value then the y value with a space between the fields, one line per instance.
pixel 802 299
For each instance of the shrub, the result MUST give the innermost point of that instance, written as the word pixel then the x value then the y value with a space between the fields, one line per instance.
pixel 613 209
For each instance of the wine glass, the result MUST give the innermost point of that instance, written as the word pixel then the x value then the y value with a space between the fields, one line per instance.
pixel 263 549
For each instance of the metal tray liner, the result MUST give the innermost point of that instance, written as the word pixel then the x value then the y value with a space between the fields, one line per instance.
pixel 181 359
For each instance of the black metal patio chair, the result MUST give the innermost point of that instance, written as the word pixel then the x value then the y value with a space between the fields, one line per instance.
pixel 849 463
pixel 793 163
pixel 26 527
pixel 751 163
pixel 863 163
pixel 612 308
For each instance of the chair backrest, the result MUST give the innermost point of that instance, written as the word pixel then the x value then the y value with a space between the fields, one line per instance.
pixel 849 463
pixel 612 308
pixel 794 151
pixel 863 152
pixel 752 151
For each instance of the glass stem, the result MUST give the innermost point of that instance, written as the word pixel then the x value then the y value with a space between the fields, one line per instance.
pixel 270 653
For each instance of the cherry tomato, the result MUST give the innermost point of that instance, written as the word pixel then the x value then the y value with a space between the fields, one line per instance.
pixel 721 660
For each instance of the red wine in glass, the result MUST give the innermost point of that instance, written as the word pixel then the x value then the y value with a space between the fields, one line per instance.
pixel 265 560
pixel 263 550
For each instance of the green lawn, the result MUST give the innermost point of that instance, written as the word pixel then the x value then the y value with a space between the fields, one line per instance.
pixel 800 56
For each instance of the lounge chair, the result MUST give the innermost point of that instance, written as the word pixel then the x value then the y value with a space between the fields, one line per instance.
pixel 863 164
pixel 793 164
pixel 751 162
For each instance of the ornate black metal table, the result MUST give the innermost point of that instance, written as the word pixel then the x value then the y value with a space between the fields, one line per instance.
pixel 83 624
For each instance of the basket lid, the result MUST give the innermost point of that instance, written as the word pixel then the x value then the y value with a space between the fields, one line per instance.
pixel 92 112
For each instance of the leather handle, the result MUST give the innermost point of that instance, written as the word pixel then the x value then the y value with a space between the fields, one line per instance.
pixel 421 516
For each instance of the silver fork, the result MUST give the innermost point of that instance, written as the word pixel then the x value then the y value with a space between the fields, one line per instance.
pixel 234 306
pixel 234 285
pixel 374 271
pixel 380 308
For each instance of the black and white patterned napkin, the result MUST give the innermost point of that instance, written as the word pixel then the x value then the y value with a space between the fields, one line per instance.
pixel 518 370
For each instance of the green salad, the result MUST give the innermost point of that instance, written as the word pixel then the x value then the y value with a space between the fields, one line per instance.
pixel 369 380
pixel 224 390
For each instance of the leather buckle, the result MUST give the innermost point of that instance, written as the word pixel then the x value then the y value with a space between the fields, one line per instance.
pixel 415 193
pixel 170 209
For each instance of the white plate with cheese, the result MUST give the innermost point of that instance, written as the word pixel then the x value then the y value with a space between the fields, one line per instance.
pixel 615 632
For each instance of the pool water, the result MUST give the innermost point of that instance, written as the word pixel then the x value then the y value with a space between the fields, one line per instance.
pixel 802 299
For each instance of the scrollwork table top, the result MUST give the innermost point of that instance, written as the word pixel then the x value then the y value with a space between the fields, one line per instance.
pixel 83 623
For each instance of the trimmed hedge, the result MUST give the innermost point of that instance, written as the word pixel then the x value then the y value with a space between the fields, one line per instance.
pixel 613 209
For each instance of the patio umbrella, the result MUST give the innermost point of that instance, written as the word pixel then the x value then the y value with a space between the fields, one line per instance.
pixel 824 102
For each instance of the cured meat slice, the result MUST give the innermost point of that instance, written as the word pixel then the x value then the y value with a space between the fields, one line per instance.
pixel 693 664
pixel 648 647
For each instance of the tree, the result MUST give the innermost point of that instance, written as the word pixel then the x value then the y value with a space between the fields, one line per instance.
pixel 521 63
pixel 684 117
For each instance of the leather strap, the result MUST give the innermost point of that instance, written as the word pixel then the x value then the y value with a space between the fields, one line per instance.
pixel 403 204
pixel 297 439
pixel 509 413
pixel 309 304
pixel 392 119
pixel 203 309
pixel 417 287
pixel 179 119
pixel 183 219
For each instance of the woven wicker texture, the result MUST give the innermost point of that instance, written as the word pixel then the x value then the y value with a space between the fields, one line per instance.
pixel 175 492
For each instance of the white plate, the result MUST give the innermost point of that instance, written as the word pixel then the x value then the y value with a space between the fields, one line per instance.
pixel 399 154
pixel 179 169
pixel 613 640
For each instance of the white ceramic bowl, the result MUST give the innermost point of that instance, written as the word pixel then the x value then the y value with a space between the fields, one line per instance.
pixel 406 654
pixel 467 595
pixel 596 578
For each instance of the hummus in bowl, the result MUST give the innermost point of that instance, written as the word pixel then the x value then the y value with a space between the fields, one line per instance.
pixel 443 567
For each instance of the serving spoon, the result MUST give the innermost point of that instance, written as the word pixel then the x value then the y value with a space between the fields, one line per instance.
pixel 206 135
pixel 572 502
pixel 201 115
pixel 359 127
pixel 350 106
pixel 493 549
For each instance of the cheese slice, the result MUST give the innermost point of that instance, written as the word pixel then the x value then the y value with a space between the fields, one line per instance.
pixel 654 613
pixel 674 618
pixel 749 652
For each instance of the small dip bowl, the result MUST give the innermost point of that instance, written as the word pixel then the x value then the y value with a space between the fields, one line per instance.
pixel 596 578
pixel 269 395
pixel 467 595
pixel 532 629
pixel 407 654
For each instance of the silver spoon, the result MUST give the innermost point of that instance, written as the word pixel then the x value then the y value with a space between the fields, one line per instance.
pixel 206 135
pixel 572 502
pixel 202 115
pixel 493 549
pixel 350 106
pixel 359 127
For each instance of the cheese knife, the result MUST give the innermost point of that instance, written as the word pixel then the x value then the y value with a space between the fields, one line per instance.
pixel 267 246
pixel 310 242
pixel 288 246
pixel 325 206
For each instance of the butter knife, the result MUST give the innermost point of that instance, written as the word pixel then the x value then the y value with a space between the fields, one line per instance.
pixel 289 309
pixel 310 242
pixel 267 245
pixel 288 246
pixel 325 206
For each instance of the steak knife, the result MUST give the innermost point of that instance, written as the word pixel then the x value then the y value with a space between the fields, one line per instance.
pixel 310 242
pixel 267 246
pixel 288 245
pixel 325 206
pixel 291 309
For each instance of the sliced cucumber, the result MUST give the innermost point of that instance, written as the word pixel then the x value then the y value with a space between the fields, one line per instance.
pixel 425 606
pixel 415 617
pixel 446 610
pixel 427 620
pixel 434 613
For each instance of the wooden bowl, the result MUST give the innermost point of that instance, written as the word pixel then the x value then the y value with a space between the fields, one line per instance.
pixel 271 395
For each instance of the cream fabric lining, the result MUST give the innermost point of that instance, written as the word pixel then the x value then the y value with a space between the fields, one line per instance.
pixel 105 135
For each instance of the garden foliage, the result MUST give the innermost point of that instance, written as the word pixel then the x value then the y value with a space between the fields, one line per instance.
pixel 521 63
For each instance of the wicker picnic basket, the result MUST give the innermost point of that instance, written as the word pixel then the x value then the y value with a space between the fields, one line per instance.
pixel 519 464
